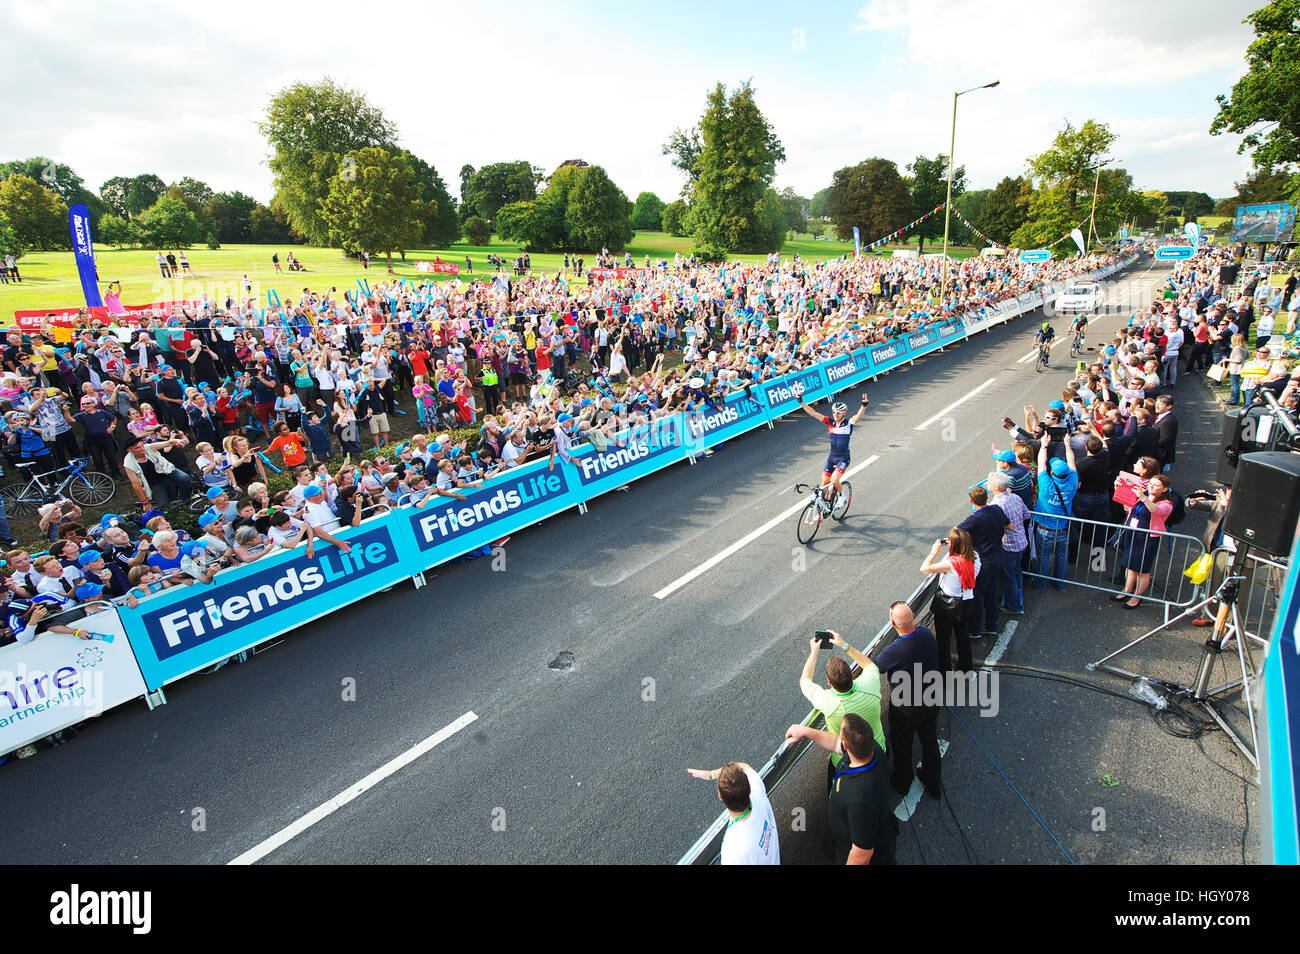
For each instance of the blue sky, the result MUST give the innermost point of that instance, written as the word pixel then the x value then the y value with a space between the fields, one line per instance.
pixel 176 88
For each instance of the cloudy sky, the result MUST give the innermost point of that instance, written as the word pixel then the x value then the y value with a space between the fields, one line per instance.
pixel 176 89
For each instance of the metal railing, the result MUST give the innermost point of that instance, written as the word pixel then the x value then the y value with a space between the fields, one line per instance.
pixel 1261 590
pixel 1100 561
pixel 707 849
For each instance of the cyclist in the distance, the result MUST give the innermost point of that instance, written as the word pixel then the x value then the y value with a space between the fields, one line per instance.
pixel 1046 335
pixel 840 427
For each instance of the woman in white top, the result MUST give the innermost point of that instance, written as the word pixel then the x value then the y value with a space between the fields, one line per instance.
pixel 954 600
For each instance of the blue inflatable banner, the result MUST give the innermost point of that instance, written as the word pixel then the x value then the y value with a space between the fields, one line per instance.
pixel 186 628
pixel 83 253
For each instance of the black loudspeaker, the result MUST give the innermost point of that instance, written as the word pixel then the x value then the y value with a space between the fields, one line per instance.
pixel 1265 505
pixel 1226 464
pixel 1228 273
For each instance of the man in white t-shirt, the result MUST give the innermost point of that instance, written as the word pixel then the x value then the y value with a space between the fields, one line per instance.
pixel 751 836
pixel 1173 344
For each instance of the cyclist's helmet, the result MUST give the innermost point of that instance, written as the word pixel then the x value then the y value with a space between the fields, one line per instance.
pixel 839 407
pixel 1046 325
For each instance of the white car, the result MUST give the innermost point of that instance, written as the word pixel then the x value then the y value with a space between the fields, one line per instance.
pixel 1081 297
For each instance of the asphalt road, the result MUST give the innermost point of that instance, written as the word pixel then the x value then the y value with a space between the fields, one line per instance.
pixel 585 764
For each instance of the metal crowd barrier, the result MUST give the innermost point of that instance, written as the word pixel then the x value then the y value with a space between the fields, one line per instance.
pixel 1100 567
pixel 1261 591
pixel 707 849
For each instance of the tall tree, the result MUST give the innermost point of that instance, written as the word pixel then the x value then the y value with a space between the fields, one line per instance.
pixel 1190 204
pixel 466 174
pixel 929 188
pixel 971 204
pixel 581 210
pixel 676 219
pixel 231 216
pixel 36 216
pixel 499 184
pixel 55 176
pixel 168 223
pixel 1257 188
pixel 647 212
pixel 795 208
pixel 736 164
pixel 145 190
pixel 1264 107
pixel 1070 164
pixel 442 227
pixel 819 207
pixel 269 226
pixel 684 147
pixel 113 193
pixel 379 209
pixel 196 191
pixel 1005 210
pixel 310 128
pixel 872 196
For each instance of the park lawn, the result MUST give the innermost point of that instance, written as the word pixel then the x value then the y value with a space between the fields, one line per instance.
pixel 50 278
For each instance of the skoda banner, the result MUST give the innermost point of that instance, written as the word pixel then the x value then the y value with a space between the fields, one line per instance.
pixel 83 251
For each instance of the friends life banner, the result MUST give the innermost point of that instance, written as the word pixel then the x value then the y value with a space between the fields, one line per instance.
pixel 83 252
pixel 187 628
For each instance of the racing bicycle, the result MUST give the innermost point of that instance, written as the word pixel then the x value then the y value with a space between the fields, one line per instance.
pixel 1078 345
pixel 810 519
pixel 86 488
pixel 1044 352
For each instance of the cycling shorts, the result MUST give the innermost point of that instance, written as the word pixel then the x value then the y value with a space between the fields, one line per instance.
pixel 836 462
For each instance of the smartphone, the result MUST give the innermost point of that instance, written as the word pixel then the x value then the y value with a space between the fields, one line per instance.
pixel 824 636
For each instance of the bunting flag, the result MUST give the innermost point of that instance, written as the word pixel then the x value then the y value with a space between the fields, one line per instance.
pixel 963 220
pixel 894 236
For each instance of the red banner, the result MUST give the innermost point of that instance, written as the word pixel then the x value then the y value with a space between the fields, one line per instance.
pixel 33 319
pixel 441 267
pixel 614 272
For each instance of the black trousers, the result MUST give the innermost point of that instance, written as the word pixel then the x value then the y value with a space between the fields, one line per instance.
pixel 950 624
pixel 104 451
pixel 904 723
pixel 65 448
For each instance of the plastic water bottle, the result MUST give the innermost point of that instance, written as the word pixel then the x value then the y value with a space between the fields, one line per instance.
pixel 1142 689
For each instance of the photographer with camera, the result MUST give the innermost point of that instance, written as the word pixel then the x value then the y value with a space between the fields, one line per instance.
pixel 954 604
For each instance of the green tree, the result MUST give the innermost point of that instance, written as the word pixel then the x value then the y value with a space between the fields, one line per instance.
pixel 61 180
pixel 1260 187
pixel 466 174
pixel 1264 108
pixel 478 231
pixel 971 203
pixel 647 212
pixel 269 226
pixel 598 215
pixel 168 223
pixel 310 129
pixel 675 219
pixel 929 189
pixel 872 196
pixel 794 207
pixel 231 216
pixel 145 190
pixel 442 226
pixel 114 230
pixel 9 241
pixel 1191 204
pixel 500 184
pixel 197 192
pixel 113 193
pixel 819 207
pixel 1005 210
pixel 736 164
pixel 684 147
pixel 1069 166
pixel 378 209
pixel 36 216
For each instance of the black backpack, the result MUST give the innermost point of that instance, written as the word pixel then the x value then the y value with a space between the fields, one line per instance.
pixel 1176 515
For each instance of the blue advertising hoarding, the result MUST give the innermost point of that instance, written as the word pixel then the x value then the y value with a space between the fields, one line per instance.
pixel 186 628
pixel 1174 253
pixel 782 394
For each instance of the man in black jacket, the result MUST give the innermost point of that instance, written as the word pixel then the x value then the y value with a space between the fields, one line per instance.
pixel 1145 439
pixel 1166 428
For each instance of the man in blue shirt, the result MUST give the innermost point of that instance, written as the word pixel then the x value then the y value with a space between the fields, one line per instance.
pixel 1057 485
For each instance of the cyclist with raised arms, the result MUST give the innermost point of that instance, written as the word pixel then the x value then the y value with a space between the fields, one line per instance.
pixel 840 426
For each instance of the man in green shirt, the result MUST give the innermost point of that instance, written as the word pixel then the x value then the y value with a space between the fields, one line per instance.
pixel 845 694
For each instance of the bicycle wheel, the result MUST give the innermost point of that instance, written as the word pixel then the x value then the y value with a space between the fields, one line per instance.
pixel 90 488
pixel 842 501
pixel 17 503
pixel 809 521
pixel 199 503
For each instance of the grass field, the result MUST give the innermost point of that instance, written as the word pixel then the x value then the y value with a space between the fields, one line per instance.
pixel 50 278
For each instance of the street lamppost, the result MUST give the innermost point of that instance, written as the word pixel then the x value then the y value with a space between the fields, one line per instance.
pixel 947 206
pixel 1092 216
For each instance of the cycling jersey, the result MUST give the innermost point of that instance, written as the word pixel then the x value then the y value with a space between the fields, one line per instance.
pixel 1047 335
pixel 838 459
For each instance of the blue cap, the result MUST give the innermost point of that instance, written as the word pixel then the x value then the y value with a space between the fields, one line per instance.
pixel 1056 406
pixel 207 519
pixel 311 490
pixel 90 556
pixel 1059 467
pixel 564 417
pixel 1006 456
pixel 106 521
pixel 215 492
pixel 88 591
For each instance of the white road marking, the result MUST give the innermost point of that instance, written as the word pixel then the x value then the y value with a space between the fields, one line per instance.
pixel 324 810
pixel 966 397
pixel 1000 647
pixel 747 539
pixel 904 809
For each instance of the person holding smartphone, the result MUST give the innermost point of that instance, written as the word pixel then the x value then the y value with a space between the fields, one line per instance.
pixel 844 693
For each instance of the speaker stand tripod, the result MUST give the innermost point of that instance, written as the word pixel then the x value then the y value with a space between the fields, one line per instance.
pixel 1227 627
